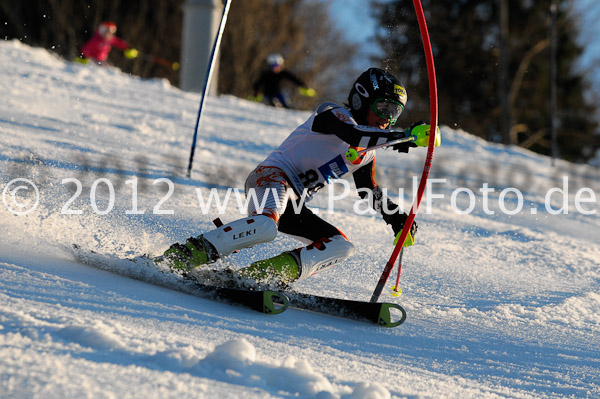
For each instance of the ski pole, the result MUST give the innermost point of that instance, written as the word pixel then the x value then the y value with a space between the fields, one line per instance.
pixel 133 53
pixel 396 252
pixel 352 154
pixel 409 139
pixel 160 61
pixel 396 289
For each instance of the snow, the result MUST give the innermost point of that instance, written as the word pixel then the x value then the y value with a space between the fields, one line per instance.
pixel 503 299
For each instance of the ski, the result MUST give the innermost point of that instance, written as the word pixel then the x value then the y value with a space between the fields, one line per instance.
pixel 265 301
pixel 380 313
pixel 383 314
pixel 144 269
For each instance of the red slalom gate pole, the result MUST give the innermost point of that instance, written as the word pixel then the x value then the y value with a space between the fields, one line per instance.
pixel 433 107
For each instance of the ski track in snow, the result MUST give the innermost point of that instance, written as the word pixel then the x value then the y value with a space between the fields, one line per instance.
pixel 499 306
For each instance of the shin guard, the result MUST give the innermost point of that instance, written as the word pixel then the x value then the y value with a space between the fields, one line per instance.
pixel 323 254
pixel 243 233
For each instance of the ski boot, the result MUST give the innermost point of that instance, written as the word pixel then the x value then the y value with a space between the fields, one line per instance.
pixel 196 251
pixel 281 269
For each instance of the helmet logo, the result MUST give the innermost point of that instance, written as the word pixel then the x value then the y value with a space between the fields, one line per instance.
pixel 374 82
pixel 399 90
pixel 361 90
pixel 401 93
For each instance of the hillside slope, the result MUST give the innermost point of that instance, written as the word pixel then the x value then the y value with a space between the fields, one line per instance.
pixel 502 300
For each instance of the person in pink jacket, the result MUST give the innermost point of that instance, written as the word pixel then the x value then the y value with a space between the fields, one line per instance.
pixel 99 46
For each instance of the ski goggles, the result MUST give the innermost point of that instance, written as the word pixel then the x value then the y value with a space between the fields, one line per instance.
pixel 387 109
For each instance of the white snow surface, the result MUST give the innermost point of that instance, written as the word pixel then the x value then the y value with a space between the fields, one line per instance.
pixel 500 303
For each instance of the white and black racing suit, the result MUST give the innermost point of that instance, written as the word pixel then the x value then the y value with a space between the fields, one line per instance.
pixel 308 159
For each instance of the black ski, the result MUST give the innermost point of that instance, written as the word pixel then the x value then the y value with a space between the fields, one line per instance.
pixel 143 268
pixel 265 301
pixel 383 314
pixel 379 313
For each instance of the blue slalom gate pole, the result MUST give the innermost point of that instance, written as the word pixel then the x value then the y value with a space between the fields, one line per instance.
pixel 209 73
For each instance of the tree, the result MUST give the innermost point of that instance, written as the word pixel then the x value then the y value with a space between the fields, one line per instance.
pixel 301 31
pixel 153 27
pixel 465 36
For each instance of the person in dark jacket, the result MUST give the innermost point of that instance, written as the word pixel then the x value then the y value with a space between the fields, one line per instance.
pixel 270 80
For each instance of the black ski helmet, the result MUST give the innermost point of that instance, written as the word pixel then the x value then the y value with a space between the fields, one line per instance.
pixel 371 85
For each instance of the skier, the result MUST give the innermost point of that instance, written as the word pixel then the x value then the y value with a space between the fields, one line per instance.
pixel 312 155
pixel 99 46
pixel 269 83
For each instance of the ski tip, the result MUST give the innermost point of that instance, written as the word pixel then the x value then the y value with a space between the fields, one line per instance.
pixel 385 315
pixel 274 302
